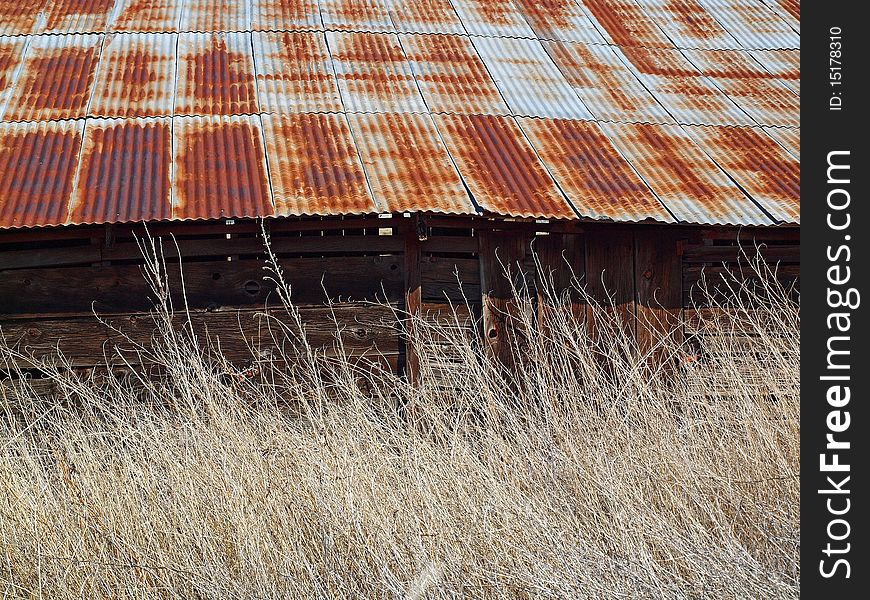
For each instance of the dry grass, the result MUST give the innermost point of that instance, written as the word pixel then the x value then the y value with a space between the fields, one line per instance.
pixel 573 478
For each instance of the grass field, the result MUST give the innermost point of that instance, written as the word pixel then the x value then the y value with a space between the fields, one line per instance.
pixel 575 476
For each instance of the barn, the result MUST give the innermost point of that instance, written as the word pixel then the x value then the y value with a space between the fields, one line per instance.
pixel 398 151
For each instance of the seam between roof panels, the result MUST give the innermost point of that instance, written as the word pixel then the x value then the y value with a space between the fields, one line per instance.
pixel 259 116
pixel 15 78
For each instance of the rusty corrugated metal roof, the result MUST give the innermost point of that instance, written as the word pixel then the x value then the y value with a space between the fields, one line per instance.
pixel 788 10
pixel 684 178
pixel 294 73
pixel 785 65
pixel 750 86
pixel 76 16
pixel 605 85
pixel 754 25
pixel 356 15
pixel 560 20
pixel 314 166
pixel 55 80
pixel 624 23
pixel 405 161
pixel 373 73
pixel 425 16
pixel 215 75
pixel 788 138
pixel 285 15
pixel 451 75
pixel 19 17
pixel 147 16
pixel 219 168
pixel 532 85
pixel 11 55
pixel 501 168
pixel 124 172
pixel 136 76
pixel 214 15
pixel 596 178
pixel 37 166
pixel 689 24
pixel 498 18
pixel 769 174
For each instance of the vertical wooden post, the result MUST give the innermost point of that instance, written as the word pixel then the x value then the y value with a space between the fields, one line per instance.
pixel 562 258
pixel 610 275
pixel 413 292
pixel 499 250
pixel 658 277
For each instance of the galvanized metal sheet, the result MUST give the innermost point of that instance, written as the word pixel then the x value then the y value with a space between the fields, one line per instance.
pixel 219 168
pixel 136 76
pixel 425 16
pixel 11 57
pixel 315 167
pixel 788 10
pixel 598 180
pixel 285 15
pixel 76 16
pixel 785 65
pixel 373 73
pixel 55 79
pixel 790 139
pixel 215 15
pixel 356 15
pixel 689 25
pixel 407 165
pixel 215 75
pixel 681 88
pixel 124 172
pixel 499 18
pixel 604 84
pixel 561 20
pixel 163 16
pixel 20 17
pixel 624 23
pixel 754 25
pixel 528 79
pixel 294 73
pixel 500 167
pixel 769 174
pixel 687 181
pixel 768 101
pixel 451 75
pixel 37 166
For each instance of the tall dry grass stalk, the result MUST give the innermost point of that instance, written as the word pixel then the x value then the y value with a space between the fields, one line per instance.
pixel 575 477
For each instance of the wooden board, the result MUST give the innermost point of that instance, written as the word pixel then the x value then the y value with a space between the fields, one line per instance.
pixel 658 285
pixel 610 275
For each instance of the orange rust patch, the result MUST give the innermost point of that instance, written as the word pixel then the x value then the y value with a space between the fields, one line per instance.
pixel 694 19
pixel 659 62
pixel 595 74
pixel 36 175
pixel 548 15
pixel 125 173
pixel 148 15
pixel 58 10
pixel 369 48
pixel 222 81
pixel 20 16
pixel 757 153
pixel 626 23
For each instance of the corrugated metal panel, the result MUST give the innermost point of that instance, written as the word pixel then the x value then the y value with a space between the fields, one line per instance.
pixel 136 76
pixel 681 88
pixel 769 174
pixel 790 139
pixel 407 165
pixel 373 73
pixel 37 166
pixel 597 179
pixel 754 25
pixel 605 85
pixel 684 178
pixel 215 15
pixel 294 73
pixel 356 15
pixel 451 75
pixel 215 74
pixel 689 24
pixel 315 167
pixel 501 168
pixel 528 79
pixel 788 10
pixel 493 18
pixel 20 17
pixel 425 16
pixel 624 23
pixel 124 173
pixel 55 80
pixel 147 16
pixel 750 86
pixel 785 65
pixel 561 20
pixel 282 15
pixel 11 55
pixel 219 168
pixel 76 16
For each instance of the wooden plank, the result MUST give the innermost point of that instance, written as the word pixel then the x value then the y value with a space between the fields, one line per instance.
pixel 658 286
pixel 718 254
pixel 562 259
pixel 413 297
pixel 441 277
pixel 610 276
pixel 55 256
pixel 451 244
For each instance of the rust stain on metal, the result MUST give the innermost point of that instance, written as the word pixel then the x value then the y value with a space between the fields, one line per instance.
pixel 626 23
pixel 784 65
pixel 219 168
pixel 11 53
pixel 356 15
pixel 599 182
pixel 218 75
pixel 315 166
pixel 493 18
pixel 37 166
pixel 211 16
pixel 124 175
pixel 77 16
pixel 55 81
pixel 561 20
pixel 689 24
pixel 407 165
pixel 788 138
pixel 753 24
pixel 19 17
pixel 276 15
pixel 148 16
pixel 501 168
pixel 768 173
pixel 425 16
